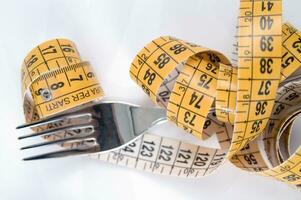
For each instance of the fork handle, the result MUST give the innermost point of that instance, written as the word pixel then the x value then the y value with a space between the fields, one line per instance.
pixel 144 118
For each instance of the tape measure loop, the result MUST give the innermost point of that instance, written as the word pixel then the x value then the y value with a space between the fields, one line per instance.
pixel 202 93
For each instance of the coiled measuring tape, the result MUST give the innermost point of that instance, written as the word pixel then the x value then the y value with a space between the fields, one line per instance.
pixel 205 95
pixel 55 79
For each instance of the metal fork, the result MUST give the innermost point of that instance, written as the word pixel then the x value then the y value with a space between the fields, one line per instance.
pixel 97 128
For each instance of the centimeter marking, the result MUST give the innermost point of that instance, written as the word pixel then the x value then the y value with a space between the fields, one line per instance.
pixel 242 136
pixel 62 70
pixel 174 164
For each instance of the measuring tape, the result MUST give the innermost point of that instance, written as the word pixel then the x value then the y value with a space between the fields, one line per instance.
pixel 55 79
pixel 251 108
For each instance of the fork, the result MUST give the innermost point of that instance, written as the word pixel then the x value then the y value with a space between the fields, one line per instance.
pixel 92 129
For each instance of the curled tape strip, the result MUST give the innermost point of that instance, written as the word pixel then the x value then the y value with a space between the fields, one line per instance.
pixel 55 79
pixel 202 93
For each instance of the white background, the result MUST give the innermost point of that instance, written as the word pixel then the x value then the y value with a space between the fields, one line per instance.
pixel 108 34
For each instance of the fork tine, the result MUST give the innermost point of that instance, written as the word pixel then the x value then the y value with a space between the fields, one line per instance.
pixel 42 121
pixel 87 116
pixel 55 130
pixel 64 153
pixel 71 139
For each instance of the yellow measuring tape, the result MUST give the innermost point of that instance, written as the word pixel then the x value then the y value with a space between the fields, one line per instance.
pixel 202 93
pixel 55 79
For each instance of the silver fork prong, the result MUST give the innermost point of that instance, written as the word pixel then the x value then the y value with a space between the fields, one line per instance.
pixel 64 153
pixel 56 130
pixel 114 124
pixel 42 121
pixel 72 139
pixel 87 116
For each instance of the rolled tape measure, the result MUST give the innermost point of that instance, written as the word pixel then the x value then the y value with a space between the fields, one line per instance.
pixel 55 79
pixel 250 107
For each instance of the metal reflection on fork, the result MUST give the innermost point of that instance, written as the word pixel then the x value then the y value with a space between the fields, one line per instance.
pixel 96 128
